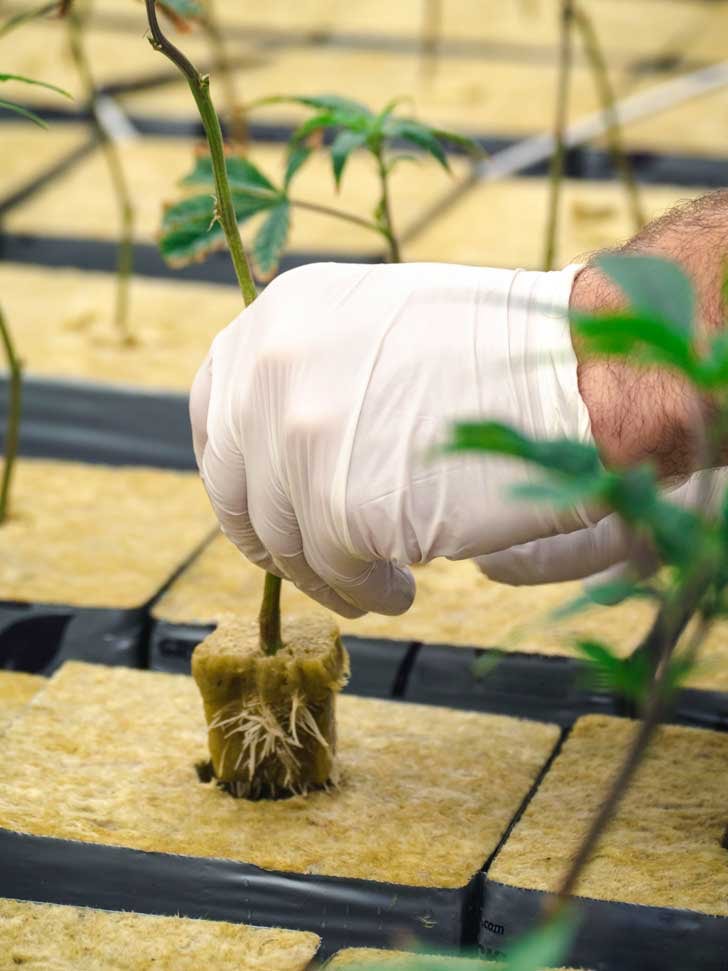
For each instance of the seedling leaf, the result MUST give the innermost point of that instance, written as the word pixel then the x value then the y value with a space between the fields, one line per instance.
pixel 242 174
pixel 19 110
pixel 271 239
pixel 344 144
pixel 190 230
pixel 39 84
pixel 297 156
pixel 656 286
pixel 416 134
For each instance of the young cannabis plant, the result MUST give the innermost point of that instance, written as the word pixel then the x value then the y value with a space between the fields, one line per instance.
pixel 15 370
pixel 190 229
pixel 655 330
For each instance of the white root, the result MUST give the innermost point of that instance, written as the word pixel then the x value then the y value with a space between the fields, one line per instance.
pixel 264 738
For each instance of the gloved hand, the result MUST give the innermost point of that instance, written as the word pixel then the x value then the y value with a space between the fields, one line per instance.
pixel 316 411
pixel 604 551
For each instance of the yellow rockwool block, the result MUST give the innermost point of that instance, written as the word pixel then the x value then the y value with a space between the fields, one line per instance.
pixel 16 690
pixel 663 847
pixel 593 215
pixel 28 150
pixel 62 322
pixel 117 748
pixel 94 536
pixel 40 49
pixel 43 936
pixel 455 604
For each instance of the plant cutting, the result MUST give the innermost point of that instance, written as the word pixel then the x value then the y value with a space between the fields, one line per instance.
pixel 190 230
pixel 272 688
pixel 13 361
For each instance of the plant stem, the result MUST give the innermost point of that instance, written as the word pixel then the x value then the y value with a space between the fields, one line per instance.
pixel 223 68
pixel 606 96
pixel 556 168
pixel 270 615
pixel 384 210
pixel 125 256
pixel 200 87
pixel 349 217
pixel 270 620
pixel 431 24
pixel 664 634
pixel 13 429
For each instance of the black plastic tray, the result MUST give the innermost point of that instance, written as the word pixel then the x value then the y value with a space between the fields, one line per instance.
pixel 378 667
pixel 40 637
pixel 88 422
pixel 527 685
pixel 612 936
pixel 346 913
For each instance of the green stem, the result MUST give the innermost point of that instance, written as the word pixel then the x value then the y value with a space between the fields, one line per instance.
pixel 13 430
pixel 270 615
pixel 606 96
pixel 556 169
pixel 125 254
pixel 223 68
pixel 270 620
pixel 349 217
pixel 385 210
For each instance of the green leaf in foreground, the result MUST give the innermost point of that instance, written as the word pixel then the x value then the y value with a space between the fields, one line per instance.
pixel 636 335
pixel 544 947
pixel 344 144
pixel 558 455
pixel 653 285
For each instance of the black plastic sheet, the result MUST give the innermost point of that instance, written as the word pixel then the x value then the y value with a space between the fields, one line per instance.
pixel 40 637
pixel 612 936
pixel 345 912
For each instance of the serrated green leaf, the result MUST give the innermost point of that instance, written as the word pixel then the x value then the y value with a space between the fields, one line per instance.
pixel 642 338
pixel 333 102
pixel 298 154
pixel 654 285
pixel 190 231
pixel 271 239
pixel 242 175
pixel 559 455
pixel 468 145
pixel 416 134
pixel 38 84
pixel 544 947
pixel 24 112
pixel 344 144
pixel 326 119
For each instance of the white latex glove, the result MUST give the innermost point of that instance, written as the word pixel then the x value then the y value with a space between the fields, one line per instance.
pixel 602 552
pixel 315 414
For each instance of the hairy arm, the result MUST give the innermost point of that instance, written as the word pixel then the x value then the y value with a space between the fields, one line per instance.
pixel 637 413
